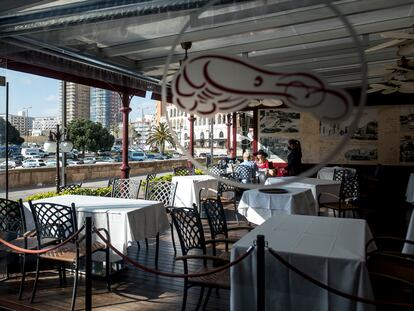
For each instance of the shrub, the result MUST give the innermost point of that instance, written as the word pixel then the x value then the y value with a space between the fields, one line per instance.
pixel 100 192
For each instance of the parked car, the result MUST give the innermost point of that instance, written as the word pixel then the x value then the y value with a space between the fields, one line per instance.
pixel 89 160
pixel 32 155
pixel 74 162
pixel 105 160
pixel 10 164
pixel 33 163
pixel 137 156
pixel 52 163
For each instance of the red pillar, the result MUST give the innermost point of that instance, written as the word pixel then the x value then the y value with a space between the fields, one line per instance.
pixel 191 145
pixel 125 143
pixel 228 124
pixel 234 138
pixel 255 130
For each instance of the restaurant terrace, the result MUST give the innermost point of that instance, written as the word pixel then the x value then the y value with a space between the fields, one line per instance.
pixel 295 194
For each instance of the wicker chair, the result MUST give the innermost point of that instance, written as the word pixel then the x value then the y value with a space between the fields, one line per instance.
pixel 126 188
pixel 70 187
pixel 188 225
pixel 13 230
pixel 348 196
pixel 217 222
pixel 59 222
pixel 183 171
pixel 162 191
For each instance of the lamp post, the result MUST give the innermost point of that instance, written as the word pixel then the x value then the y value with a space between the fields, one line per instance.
pixel 57 142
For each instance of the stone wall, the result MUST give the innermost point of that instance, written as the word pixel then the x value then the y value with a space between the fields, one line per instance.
pixel 30 177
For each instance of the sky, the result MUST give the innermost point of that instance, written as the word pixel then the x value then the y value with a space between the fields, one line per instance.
pixel 42 95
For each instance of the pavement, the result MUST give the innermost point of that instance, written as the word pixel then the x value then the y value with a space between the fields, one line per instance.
pixel 22 193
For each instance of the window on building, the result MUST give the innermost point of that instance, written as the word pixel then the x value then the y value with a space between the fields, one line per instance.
pixel 204 121
pixel 221 134
pixel 185 136
pixel 219 119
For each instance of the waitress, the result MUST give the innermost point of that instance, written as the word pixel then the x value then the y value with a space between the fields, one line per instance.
pixel 294 158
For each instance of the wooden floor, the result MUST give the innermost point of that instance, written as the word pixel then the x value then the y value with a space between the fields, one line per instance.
pixel 132 289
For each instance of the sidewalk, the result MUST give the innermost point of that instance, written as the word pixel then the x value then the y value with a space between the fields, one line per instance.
pixel 23 193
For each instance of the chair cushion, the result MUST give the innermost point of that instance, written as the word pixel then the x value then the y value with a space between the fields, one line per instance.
pixel 67 253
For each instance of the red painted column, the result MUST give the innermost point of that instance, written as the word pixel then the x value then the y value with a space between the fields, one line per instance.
pixel 228 124
pixel 234 138
pixel 125 143
pixel 255 130
pixel 191 145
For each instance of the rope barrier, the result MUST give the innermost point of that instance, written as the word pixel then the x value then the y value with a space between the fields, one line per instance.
pixel 334 290
pixel 41 251
pixel 170 274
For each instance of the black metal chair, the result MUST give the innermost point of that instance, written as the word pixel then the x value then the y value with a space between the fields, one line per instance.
pixel 213 208
pixel 225 187
pixel 126 188
pixel 111 181
pixel 188 225
pixel 218 170
pixel 13 230
pixel 59 222
pixel 340 174
pixel 245 174
pixel 183 171
pixel 148 178
pixel 70 187
pixel 348 199
pixel 162 191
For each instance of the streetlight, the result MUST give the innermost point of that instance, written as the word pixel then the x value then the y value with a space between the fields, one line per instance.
pixel 58 142
pixel 26 124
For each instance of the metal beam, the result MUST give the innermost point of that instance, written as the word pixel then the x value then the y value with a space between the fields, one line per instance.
pixel 303 16
pixel 238 48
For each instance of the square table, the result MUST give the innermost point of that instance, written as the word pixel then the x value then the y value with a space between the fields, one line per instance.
pixel 188 189
pixel 127 220
pixel 258 206
pixel 331 250
pixel 314 184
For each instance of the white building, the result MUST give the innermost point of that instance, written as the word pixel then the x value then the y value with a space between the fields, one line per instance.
pixel 42 125
pixel 142 127
pixel 202 127
pixel 22 123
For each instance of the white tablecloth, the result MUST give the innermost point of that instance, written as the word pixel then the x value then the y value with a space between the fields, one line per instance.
pixel 409 248
pixel 327 172
pixel 332 250
pixel 188 189
pixel 257 206
pixel 127 220
pixel 409 194
pixel 314 184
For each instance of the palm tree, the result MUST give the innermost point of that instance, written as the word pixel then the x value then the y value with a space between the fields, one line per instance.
pixel 160 135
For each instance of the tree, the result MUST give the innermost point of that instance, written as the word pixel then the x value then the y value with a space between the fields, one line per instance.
pixel 14 134
pixel 159 135
pixel 91 136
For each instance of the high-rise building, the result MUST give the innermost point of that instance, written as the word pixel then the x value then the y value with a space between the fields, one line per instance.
pixel 105 107
pixel 77 101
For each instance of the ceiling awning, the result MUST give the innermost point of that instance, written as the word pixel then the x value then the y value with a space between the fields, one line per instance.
pixel 125 44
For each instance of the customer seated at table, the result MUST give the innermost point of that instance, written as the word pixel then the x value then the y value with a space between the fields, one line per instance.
pixel 247 162
pixel 263 163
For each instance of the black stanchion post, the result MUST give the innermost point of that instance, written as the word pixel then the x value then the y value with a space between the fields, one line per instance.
pixel 88 265
pixel 260 270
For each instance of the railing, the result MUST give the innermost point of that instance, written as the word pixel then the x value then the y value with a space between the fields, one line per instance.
pixel 259 245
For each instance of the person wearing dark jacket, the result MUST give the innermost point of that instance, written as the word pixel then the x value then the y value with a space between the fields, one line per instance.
pixel 294 158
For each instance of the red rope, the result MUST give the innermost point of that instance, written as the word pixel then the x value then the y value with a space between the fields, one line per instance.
pixel 170 274
pixel 40 251
pixel 334 290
